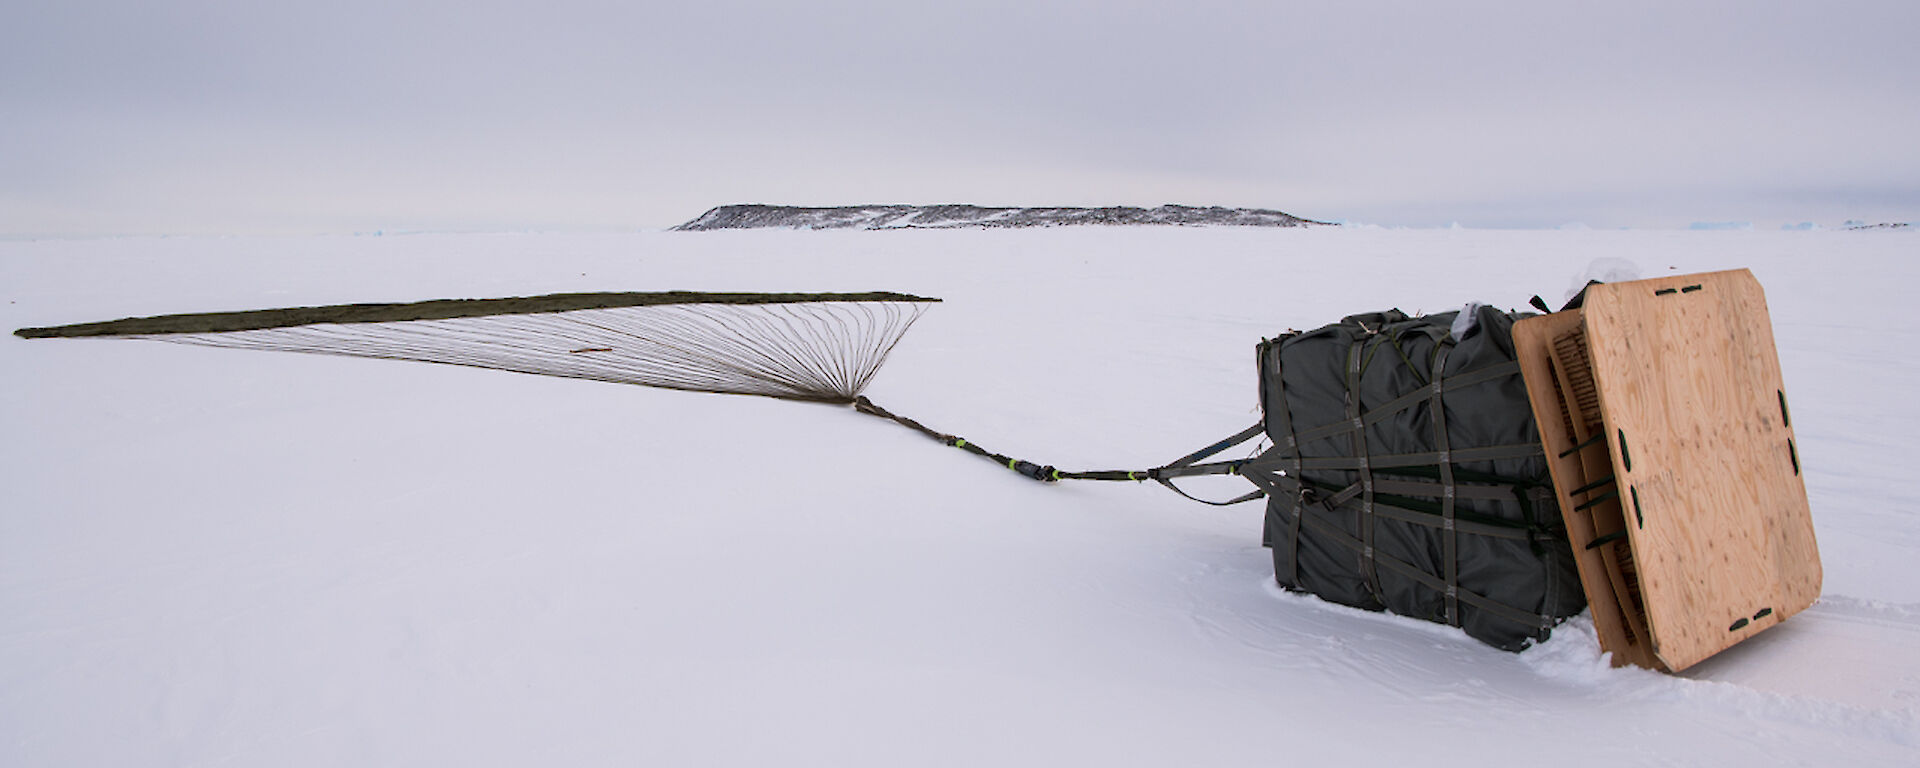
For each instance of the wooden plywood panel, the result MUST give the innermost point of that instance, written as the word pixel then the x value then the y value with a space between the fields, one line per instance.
pixel 1702 447
pixel 1578 458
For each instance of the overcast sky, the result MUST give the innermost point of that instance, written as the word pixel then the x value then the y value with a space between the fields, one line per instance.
pixel 242 116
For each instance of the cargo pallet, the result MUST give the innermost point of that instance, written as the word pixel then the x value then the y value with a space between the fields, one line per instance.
pixel 1665 423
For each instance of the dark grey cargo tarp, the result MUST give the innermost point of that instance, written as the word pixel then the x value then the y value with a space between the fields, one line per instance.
pixel 1406 475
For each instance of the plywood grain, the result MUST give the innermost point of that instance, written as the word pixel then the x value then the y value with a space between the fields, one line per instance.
pixel 1691 394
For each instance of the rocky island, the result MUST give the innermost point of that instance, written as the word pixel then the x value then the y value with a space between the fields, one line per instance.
pixel 979 217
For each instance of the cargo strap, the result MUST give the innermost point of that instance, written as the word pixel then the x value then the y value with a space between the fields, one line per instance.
pixel 1281 483
pixel 1185 466
pixel 1288 445
pixel 1271 462
pixel 1450 552
pixel 1277 485
pixel 1417 488
pixel 1369 572
pixel 1309 492
pixel 1386 410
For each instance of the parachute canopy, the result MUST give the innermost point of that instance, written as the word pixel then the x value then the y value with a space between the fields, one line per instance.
pixel 798 346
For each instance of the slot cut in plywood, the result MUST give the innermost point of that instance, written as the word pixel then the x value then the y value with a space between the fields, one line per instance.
pixel 1664 419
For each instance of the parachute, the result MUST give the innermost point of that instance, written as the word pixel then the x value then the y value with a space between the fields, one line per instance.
pixel 821 347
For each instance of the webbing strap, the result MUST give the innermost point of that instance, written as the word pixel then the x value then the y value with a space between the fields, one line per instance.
pixel 1283 413
pixel 1278 486
pixel 1185 467
pixel 1238 438
pixel 1490 527
pixel 1249 496
pixel 1356 364
pixel 1425 488
pixel 1584 444
pixel 1397 460
pixel 1231 467
pixel 1376 493
pixel 1343 495
pixel 1182 467
pixel 1025 468
pixel 1438 490
pixel 1475 599
pixel 1387 409
pixel 1449 551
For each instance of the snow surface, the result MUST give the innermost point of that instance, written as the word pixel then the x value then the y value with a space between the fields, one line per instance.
pixel 219 557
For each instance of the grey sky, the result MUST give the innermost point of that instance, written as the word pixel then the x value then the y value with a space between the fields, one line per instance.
pixel 202 116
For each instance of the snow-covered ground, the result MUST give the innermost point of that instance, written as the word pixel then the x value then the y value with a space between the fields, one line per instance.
pixel 217 557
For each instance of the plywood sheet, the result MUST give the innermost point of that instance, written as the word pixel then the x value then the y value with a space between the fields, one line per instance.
pixel 1702 446
pixel 1617 618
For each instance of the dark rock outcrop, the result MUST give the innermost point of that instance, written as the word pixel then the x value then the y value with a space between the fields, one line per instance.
pixel 977 217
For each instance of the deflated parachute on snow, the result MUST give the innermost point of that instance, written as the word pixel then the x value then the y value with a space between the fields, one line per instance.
pixel 821 347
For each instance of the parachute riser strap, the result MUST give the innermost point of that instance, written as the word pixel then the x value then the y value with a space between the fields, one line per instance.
pixel 1183 467
pixel 1028 469
pixel 1042 472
